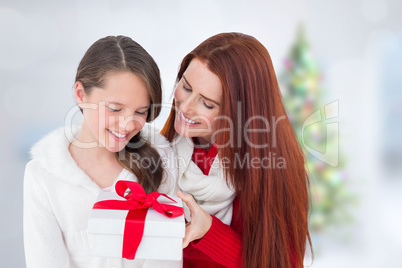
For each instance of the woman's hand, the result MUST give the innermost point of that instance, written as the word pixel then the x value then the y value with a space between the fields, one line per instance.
pixel 200 222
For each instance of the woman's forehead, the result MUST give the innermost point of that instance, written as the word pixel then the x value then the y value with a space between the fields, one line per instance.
pixel 202 80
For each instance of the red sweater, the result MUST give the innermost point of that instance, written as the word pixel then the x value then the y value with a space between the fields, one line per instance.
pixel 221 245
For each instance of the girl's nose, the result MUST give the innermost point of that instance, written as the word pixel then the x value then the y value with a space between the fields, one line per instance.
pixel 128 124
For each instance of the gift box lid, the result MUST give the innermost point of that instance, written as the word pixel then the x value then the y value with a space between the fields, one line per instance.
pixel 110 221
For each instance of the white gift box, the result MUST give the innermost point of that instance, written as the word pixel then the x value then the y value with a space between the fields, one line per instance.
pixel 162 238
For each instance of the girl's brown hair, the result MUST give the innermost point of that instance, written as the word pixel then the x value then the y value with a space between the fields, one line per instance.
pixel 122 54
pixel 274 200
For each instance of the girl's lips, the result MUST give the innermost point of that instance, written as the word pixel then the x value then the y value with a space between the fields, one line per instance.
pixel 118 136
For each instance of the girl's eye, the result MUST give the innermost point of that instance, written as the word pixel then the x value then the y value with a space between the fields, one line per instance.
pixel 142 113
pixel 207 106
pixel 114 110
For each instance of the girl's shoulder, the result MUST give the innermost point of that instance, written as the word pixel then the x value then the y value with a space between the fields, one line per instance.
pixel 51 155
pixel 53 146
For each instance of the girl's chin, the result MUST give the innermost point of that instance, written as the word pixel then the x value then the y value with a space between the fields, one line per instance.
pixel 116 148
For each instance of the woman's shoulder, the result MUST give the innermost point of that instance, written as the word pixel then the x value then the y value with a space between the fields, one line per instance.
pixel 165 150
pixel 157 140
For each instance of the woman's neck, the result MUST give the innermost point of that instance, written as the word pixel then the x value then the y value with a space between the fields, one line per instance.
pixel 202 142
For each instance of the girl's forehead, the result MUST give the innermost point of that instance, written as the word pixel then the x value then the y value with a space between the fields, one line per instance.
pixel 123 88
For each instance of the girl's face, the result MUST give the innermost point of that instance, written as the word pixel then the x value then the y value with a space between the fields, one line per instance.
pixel 198 97
pixel 115 113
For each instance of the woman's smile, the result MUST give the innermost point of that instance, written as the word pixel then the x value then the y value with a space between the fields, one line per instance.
pixel 187 121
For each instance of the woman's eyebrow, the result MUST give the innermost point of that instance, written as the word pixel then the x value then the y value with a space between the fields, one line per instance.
pixel 211 100
pixel 186 81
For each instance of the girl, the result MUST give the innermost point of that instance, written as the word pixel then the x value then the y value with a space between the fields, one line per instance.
pixel 118 89
pixel 231 133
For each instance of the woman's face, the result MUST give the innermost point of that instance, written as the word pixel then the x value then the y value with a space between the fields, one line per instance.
pixel 115 113
pixel 198 97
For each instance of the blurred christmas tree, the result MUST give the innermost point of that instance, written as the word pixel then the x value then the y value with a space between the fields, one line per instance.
pixel 301 90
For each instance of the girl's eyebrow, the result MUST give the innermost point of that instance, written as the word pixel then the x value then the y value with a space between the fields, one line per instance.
pixel 144 107
pixel 115 102
pixel 121 104
pixel 211 100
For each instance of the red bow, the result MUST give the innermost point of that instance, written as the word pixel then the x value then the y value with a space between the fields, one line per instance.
pixel 137 203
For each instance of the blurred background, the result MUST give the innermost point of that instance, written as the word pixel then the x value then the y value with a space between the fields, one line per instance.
pixel 338 63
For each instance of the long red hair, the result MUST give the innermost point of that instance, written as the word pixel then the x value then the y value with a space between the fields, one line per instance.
pixel 274 200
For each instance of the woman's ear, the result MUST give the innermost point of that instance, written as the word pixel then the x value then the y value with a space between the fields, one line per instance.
pixel 79 93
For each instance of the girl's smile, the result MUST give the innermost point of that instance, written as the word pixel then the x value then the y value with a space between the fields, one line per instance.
pixel 117 136
pixel 122 106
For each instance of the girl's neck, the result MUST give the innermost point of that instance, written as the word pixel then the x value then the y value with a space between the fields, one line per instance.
pixel 89 148
pixel 100 164
pixel 97 154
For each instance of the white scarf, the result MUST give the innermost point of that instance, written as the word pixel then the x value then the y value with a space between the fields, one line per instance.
pixel 210 191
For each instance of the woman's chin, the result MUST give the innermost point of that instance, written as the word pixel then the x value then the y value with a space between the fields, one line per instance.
pixel 183 131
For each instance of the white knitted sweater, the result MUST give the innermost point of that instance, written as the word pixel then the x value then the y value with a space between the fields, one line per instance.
pixel 58 198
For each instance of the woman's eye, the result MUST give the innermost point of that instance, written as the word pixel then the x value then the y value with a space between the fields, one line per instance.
pixel 208 107
pixel 187 89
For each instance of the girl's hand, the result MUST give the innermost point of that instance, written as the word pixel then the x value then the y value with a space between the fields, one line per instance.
pixel 200 222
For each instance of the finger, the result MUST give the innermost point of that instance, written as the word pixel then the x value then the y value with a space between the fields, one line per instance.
pixel 179 194
pixel 183 196
pixel 188 236
pixel 185 242
pixel 188 199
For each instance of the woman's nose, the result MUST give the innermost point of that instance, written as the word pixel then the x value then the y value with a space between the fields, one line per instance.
pixel 187 105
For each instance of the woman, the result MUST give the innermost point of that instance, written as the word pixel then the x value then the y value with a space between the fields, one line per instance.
pixel 118 89
pixel 234 142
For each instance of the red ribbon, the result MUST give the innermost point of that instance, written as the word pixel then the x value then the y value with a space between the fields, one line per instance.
pixel 137 202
